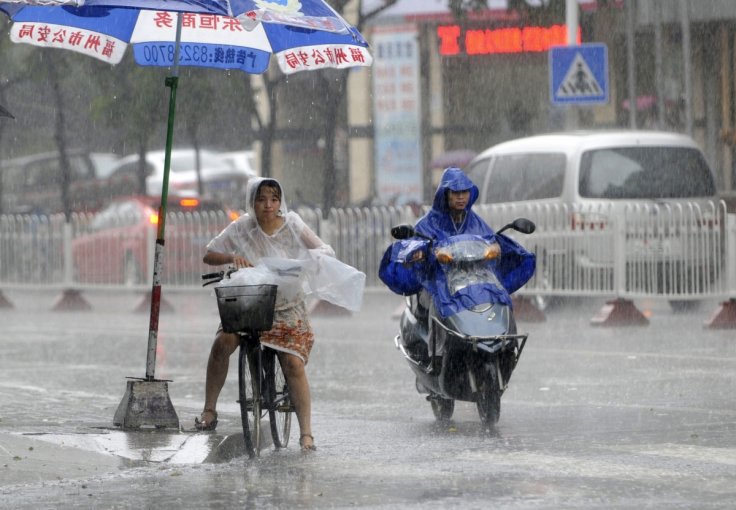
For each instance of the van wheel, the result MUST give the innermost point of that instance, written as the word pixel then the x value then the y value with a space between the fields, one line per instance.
pixel 132 274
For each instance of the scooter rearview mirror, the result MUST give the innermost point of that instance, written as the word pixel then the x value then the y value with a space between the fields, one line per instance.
pixel 524 225
pixel 402 232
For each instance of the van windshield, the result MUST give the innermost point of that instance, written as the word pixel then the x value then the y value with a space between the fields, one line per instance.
pixel 518 177
pixel 645 172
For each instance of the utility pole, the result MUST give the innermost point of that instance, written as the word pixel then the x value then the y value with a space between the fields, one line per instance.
pixel 686 66
pixel 571 20
pixel 630 60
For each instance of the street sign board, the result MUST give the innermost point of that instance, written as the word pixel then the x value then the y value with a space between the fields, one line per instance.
pixel 579 74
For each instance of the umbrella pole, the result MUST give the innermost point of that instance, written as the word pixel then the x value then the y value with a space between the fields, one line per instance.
pixel 146 401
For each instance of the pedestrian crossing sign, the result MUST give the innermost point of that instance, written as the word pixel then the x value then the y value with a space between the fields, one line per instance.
pixel 579 74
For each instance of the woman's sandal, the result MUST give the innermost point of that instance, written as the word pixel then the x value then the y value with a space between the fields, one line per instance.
pixel 203 425
pixel 307 447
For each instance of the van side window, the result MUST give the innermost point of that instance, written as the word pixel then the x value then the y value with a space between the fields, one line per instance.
pixel 645 172
pixel 519 177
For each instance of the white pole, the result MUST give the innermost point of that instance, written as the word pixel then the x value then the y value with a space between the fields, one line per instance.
pixel 571 19
pixel 730 256
pixel 686 65
pixel 658 69
pixel 68 255
pixel 631 60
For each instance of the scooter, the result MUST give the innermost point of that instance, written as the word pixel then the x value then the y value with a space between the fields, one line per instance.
pixel 481 343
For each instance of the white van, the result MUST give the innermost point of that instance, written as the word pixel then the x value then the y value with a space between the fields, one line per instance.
pixel 588 178
pixel 587 166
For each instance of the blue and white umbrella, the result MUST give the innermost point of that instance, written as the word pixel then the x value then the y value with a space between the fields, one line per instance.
pixel 239 34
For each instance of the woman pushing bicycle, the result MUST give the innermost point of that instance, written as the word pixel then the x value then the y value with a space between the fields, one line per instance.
pixel 267 230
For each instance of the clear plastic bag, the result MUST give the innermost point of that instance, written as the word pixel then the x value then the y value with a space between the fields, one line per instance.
pixel 335 281
pixel 321 276
pixel 288 274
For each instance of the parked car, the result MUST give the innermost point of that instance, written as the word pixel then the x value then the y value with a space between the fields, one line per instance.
pixel 594 175
pixel 104 162
pixel 222 179
pixel 33 184
pixel 117 245
pixel 244 161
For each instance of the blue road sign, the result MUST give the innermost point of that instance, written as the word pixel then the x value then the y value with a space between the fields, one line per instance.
pixel 578 74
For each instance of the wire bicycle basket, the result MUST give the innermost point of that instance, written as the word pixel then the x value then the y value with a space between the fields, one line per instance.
pixel 246 307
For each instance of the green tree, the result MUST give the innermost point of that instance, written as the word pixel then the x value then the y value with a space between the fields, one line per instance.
pixel 334 84
pixel 213 105
pixel 12 74
pixel 131 98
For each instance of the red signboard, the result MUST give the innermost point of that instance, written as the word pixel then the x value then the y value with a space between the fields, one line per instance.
pixel 455 40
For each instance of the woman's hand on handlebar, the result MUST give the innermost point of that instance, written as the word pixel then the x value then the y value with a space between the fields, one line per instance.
pixel 240 262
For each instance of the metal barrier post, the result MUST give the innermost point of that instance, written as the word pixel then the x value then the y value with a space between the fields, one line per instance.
pixel 71 298
pixel 619 311
pixel 730 254
pixel 725 315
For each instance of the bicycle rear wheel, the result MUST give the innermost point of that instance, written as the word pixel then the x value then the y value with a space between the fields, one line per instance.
pixel 279 401
pixel 249 397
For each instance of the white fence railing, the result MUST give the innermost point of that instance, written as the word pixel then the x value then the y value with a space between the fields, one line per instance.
pixel 627 250
pixel 623 250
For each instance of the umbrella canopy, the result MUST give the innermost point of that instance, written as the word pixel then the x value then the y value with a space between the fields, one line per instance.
pixel 206 39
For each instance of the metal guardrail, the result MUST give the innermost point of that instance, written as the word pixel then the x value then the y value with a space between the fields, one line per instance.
pixel 629 251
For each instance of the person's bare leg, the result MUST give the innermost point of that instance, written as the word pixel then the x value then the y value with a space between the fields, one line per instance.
pixel 296 378
pixel 217 367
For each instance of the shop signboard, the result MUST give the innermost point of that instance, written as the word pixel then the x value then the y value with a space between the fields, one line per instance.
pixel 396 119
pixel 579 74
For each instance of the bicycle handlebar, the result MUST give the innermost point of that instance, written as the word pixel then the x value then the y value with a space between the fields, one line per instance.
pixel 218 276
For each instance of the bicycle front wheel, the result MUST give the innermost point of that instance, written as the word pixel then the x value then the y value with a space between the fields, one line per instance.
pixel 249 397
pixel 279 401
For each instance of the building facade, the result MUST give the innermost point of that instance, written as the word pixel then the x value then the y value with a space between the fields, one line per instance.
pixel 440 84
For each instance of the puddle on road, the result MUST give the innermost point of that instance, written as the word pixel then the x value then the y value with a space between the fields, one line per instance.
pixel 155 445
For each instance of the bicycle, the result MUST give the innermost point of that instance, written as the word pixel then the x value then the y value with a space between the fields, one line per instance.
pixel 247 310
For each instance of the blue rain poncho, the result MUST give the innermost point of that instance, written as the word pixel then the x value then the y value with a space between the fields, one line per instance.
pixel 513 268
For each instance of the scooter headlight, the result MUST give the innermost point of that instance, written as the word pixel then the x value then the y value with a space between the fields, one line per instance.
pixel 443 256
pixel 493 251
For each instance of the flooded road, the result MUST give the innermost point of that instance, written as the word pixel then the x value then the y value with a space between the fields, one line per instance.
pixel 593 417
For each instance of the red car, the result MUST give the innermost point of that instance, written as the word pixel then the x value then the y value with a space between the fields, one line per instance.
pixel 117 245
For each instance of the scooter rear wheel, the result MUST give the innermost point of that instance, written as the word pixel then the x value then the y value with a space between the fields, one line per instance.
pixel 442 407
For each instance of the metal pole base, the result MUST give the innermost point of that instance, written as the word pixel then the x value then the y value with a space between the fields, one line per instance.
pixel 71 300
pixel 619 312
pixel 526 311
pixel 4 302
pixel 724 317
pixel 146 404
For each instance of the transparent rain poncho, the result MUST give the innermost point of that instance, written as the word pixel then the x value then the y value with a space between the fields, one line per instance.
pixel 293 257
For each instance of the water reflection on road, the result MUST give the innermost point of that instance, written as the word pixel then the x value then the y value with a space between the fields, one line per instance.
pixel 593 417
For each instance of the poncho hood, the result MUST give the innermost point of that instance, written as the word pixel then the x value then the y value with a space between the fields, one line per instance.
pixel 454 179
pixel 437 223
pixel 252 189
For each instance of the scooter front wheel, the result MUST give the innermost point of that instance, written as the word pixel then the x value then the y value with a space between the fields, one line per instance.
pixel 488 399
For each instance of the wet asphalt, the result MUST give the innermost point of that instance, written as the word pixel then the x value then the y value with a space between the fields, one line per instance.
pixel 625 417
